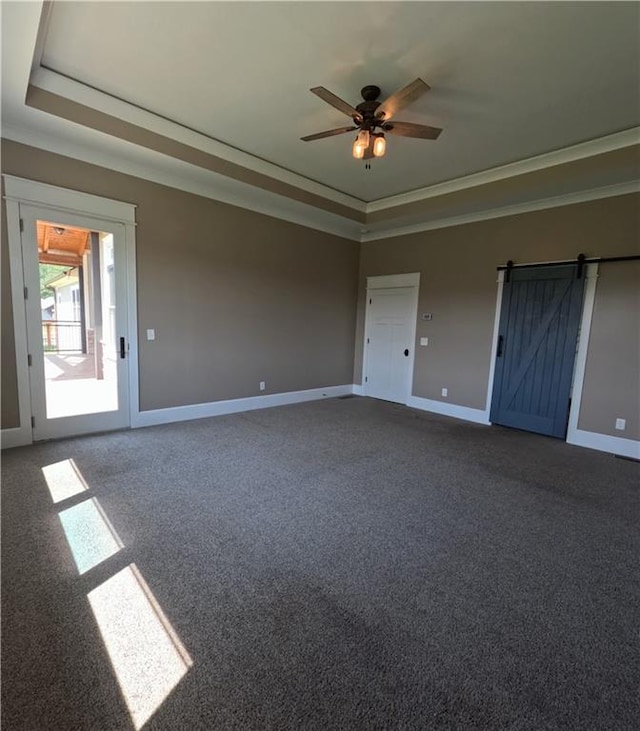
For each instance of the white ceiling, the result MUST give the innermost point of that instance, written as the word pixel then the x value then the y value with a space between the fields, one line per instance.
pixel 509 80
pixel 212 97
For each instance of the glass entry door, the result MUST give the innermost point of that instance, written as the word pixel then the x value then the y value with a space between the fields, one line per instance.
pixel 76 309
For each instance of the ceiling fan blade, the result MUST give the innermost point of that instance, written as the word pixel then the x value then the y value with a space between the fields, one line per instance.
pixel 402 98
pixel 336 102
pixel 328 133
pixel 408 129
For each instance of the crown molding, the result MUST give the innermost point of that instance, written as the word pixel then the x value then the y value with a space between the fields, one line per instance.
pixel 75 91
pixel 60 85
pixel 608 191
pixel 145 164
pixel 157 168
pixel 598 146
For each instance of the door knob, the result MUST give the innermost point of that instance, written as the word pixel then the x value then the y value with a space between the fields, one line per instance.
pixel 406 352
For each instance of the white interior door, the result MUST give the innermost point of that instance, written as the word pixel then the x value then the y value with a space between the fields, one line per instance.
pixel 76 313
pixel 389 343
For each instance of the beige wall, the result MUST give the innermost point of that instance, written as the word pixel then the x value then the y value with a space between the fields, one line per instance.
pixel 235 297
pixel 458 286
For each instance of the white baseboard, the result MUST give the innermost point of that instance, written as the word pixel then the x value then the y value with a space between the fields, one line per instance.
pixel 604 443
pixel 478 416
pixel 358 389
pixel 232 406
pixel 15 437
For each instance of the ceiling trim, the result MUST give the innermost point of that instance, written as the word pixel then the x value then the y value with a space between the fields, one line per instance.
pixel 170 172
pixel 608 191
pixel 92 99
pixel 616 141
pixel 86 96
pixel 176 174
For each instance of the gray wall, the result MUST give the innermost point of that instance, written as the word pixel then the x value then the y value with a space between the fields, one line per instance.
pixel 235 297
pixel 458 285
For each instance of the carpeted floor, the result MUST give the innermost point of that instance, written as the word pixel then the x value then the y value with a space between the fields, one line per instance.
pixel 343 564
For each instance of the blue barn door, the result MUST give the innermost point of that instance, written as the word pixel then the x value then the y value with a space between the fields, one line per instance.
pixel 539 322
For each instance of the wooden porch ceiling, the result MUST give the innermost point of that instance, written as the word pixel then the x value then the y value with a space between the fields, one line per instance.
pixel 62 244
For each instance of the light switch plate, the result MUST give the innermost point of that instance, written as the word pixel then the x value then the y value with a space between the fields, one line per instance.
pixel 424 341
pixel 621 424
pixel 151 334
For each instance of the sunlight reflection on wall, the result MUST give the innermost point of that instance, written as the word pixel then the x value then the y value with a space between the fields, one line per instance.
pixel 147 656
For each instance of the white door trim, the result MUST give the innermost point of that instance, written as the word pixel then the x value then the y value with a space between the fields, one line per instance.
pixel 65 199
pixel 591 274
pixel 581 438
pixel 494 345
pixel 21 434
pixel 22 191
pixel 389 281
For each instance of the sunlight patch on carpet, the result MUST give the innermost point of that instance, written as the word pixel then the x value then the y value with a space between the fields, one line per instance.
pixel 64 480
pixel 146 654
pixel 89 534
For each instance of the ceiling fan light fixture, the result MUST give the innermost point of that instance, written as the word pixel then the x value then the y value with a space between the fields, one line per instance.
pixel 379 145
pixel 358 149
pixel 364 137
pixel 371 118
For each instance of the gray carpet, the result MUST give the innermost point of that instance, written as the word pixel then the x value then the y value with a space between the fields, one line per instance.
pixel 343 564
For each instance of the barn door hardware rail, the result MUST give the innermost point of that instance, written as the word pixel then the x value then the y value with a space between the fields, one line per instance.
pixel 581 259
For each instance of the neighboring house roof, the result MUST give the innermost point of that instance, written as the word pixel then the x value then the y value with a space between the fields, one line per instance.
pixel 71 276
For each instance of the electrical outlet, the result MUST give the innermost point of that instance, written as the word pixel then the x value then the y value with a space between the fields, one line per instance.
pixel 263 385
pixel 621 424
pixel 445 392
pixel 424 341
pixel 151 334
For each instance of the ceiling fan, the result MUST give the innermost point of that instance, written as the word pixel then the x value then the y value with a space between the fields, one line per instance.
pixel 373 118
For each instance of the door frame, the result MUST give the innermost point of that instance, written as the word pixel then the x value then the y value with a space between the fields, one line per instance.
pixel 390 281
pixel 59 201
pixel 580 362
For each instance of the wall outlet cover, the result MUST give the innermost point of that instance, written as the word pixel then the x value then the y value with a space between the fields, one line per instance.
pixel 621 424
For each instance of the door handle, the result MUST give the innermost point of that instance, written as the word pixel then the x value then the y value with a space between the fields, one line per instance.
pixel 500 346
pixel 123 351
pixel 406 352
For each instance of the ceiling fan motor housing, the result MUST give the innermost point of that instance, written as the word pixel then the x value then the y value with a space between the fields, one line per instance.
pixel 367 108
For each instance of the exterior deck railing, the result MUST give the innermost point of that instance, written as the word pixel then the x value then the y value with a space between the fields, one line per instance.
pixel 62 336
